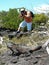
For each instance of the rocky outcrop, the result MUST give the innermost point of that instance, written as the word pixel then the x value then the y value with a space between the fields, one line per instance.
pixel 39 57
pixel 32 53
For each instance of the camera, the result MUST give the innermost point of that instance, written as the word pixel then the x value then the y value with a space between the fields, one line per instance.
pixel 22 12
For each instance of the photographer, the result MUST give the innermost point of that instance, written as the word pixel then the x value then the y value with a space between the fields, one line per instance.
pixel 27 16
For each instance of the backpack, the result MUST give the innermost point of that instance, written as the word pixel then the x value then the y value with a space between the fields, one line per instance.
pixel 32 14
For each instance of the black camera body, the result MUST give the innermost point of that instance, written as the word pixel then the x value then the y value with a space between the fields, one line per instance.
pixel 23 13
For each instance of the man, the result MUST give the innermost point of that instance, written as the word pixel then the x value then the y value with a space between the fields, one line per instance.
pixel 27 15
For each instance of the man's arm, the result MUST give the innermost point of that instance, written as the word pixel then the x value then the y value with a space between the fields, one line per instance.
pixel 28 14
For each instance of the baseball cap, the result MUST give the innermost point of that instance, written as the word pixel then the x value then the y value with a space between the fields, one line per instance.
pixel 22 10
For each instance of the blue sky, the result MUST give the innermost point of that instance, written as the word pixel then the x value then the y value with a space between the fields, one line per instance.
pixel 28 4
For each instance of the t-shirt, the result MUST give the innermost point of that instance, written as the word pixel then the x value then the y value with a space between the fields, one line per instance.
pixel 28 17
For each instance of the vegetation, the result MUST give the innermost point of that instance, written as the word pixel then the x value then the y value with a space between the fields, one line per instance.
pixel 39 18
pixel 0 46
pixel 10 19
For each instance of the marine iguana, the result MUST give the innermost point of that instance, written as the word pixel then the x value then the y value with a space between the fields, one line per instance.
pixel 19 49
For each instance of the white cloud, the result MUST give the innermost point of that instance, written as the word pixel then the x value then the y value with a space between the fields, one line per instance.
pixel 42 8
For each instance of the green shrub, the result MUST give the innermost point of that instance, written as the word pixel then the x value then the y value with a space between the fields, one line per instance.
pixel 0 46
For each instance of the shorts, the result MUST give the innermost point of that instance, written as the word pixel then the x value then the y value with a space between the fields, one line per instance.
pixel 24 23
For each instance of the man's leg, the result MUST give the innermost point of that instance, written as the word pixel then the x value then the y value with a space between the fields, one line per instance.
pixel 29 26
pixel 22 25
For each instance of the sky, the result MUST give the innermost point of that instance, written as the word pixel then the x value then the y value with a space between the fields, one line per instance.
pixel 28 4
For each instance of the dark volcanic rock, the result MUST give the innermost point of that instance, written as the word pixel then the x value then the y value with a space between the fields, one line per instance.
pixel 39 57
pixel 23 55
